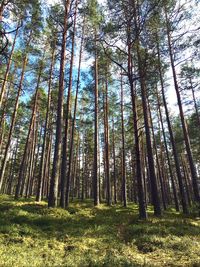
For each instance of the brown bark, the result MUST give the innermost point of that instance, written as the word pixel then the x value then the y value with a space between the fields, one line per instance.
pixel 33 117
pixel 53 193
pixel 71 150
pixel 167 154
pixel 141 196
pixel 114 162
pixel 12 126
pixel 183 122
pixel 175 153
pixel 96 130
pixel 157 160
pixel 123 161
pixel 195 102
pixel 46 127
pixel 3 88
pixel 153 180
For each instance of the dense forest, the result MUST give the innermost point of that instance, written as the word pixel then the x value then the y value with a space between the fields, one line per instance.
pixel 100 102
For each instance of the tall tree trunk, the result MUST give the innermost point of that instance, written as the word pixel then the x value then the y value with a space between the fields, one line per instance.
pixel 153 180
pixel 157 159
pixel 71 150
pixel 96 131
pixel 167 154
pixel 46 127
pixel 114 162
pixel 30 164
pixel 53 193
pixel 33 117
pixel 107 146
pixel 183 122
pixel 175 153
pixel 12 126
pixel 123 167
pixel 141 195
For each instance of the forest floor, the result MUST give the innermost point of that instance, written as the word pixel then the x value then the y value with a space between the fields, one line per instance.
pixel 33 235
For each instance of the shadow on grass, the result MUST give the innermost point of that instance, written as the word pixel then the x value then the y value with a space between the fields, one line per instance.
pixel 82 219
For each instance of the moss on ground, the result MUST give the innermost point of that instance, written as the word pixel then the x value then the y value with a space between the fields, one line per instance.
pixel 32 235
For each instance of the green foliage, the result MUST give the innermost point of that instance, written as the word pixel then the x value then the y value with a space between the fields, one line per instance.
pixel 93 12
pixel 33 235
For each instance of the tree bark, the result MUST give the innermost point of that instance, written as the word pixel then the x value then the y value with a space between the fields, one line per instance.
pixel 167 154
pixel 183 122
pixel 175 153
pixel 3 88
pixel 12 126
pixel 71 150
pixel 96 130
pixel 53 193
pixel 123 167
pixel 33 117
pixel 46 127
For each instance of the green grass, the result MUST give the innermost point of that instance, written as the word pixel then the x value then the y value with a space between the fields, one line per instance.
pixel 33 235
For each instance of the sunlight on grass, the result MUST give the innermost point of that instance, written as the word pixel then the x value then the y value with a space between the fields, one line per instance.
pixel 32 235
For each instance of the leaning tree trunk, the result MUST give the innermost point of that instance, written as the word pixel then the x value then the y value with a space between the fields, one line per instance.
pixel 33 117
pixel 12 126
pixel 3 88
pixel 168 157
pixel 195 103
pixel 175 153
pixel 183 122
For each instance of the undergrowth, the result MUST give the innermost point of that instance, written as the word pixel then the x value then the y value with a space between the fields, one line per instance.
pixel 32 235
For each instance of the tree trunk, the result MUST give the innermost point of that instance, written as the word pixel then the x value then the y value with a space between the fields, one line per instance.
pixel 114 162
pixel 12 126
pixel 168 157
pixel 175 153
pixel 46 127
pixel 141 195
pixel 96 130
pixel 123 167
pixel 153 180
pixel 53 193
pixel 157 159
pixel 183 123
pixel 71 151
pixel 195 103
pixel 3 88
pixel 33 117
